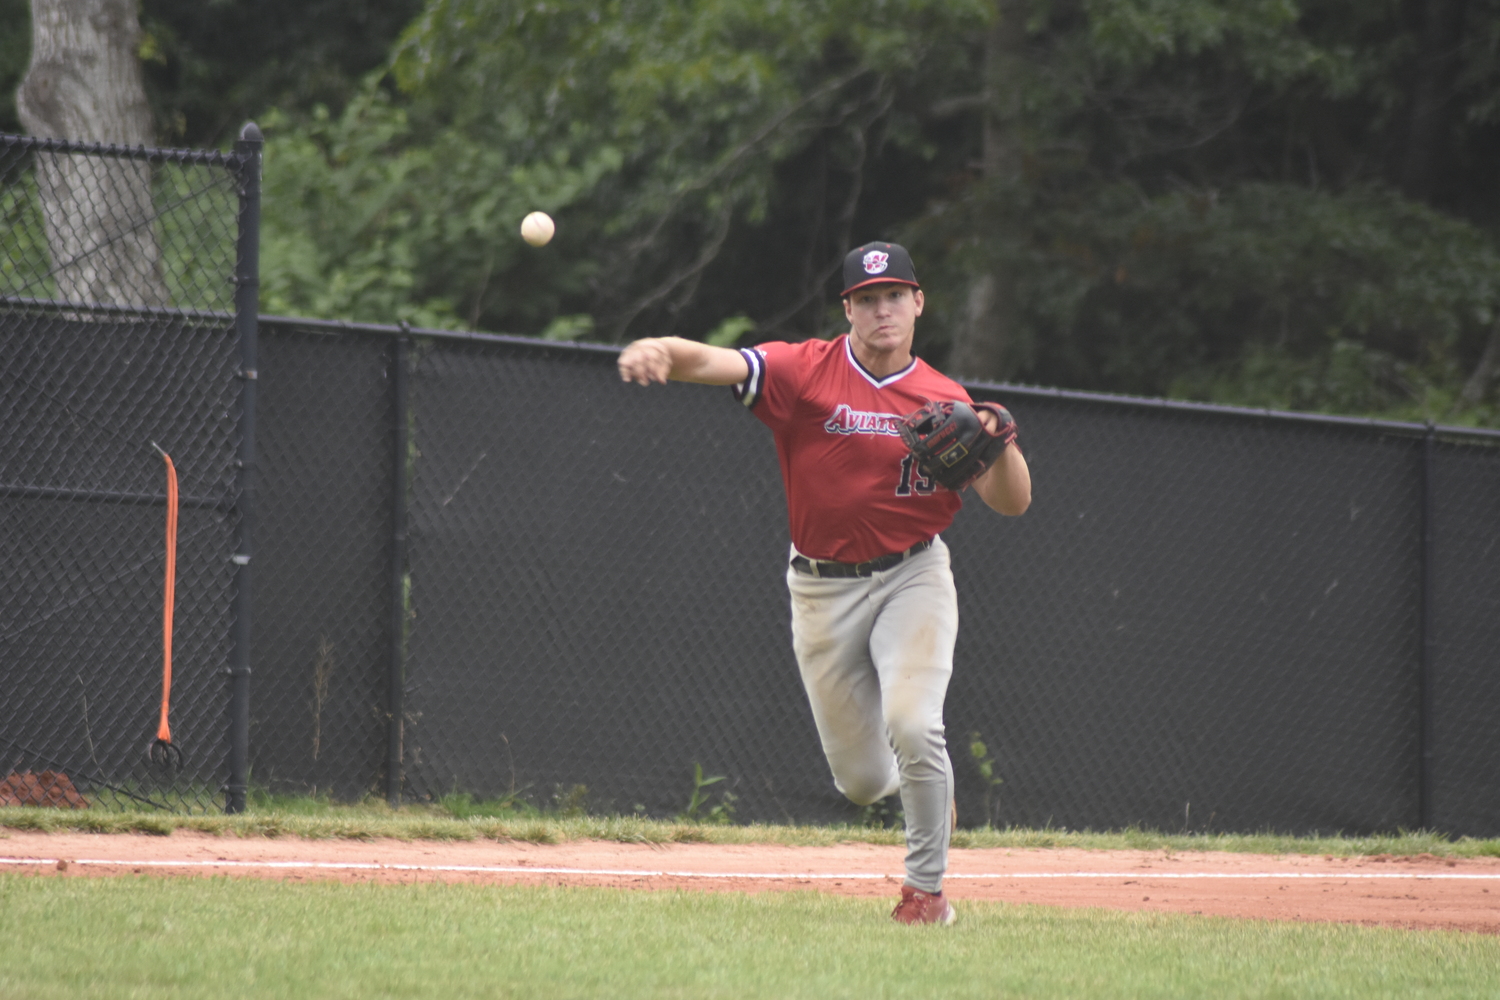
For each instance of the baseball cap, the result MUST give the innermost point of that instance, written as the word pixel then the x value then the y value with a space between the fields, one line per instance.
pixel 874 263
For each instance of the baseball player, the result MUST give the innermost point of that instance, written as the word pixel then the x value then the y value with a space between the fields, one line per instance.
pixel 874 610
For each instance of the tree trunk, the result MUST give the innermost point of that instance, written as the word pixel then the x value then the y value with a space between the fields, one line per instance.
pixel 1432 97
pixel 983 343
pixel 85 83
pixel 1486 372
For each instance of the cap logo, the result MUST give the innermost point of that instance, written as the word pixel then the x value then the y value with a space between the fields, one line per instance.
pixel 875 261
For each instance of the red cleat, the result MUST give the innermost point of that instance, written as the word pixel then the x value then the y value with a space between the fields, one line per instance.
pixel 918 907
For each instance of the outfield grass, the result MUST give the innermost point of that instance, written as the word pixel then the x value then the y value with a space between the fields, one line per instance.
pixel 366 821
pixel 143 937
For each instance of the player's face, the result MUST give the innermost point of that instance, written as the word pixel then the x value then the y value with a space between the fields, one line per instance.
pixel 883 318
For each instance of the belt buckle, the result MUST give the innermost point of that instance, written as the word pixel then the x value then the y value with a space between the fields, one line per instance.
pixel 865 569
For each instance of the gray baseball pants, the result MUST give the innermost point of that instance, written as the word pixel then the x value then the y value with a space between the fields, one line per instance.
pixel 876 654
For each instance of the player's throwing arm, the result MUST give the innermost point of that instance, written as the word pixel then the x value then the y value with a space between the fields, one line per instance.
pixel 660 359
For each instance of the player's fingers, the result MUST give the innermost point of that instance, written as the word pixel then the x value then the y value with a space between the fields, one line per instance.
pixel 643 375
pixel 996 420
pixel 660 364
pixel 645 361
pixel 635 364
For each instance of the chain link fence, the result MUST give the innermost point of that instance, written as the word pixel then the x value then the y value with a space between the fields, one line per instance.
pixel 1463 697
pixel 117 346
pixel 484 565
pixel 322 603
pixel 1209 620
pixel 1206 622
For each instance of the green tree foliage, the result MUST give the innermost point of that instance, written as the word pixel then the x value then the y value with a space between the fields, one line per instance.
pixel 1257 201
pixel 212 64
pixel 363 221
pixel 1288 203
pixel 698 103
pixel 1222 201
pixel 1261 294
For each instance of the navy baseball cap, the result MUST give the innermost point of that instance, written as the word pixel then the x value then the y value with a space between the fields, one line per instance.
pixel 875 263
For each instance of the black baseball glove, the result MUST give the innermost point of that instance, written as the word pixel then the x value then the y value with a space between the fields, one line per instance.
pixel 950 442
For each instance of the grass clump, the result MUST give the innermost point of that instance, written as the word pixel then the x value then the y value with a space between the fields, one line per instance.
pixel 460 818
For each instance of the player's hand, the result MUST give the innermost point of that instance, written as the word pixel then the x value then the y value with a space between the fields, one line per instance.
pixel 645 361
pixel 996 420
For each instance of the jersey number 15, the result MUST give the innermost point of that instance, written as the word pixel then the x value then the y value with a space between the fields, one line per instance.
pixel 912 480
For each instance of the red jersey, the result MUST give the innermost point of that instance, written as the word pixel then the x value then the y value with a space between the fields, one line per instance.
pixel 851 490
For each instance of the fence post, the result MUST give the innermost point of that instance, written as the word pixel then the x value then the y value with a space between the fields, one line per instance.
pixel 247 150
pixel 396 681
pixel 1426 725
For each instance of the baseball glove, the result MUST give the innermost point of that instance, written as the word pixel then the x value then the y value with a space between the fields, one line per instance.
pixel 950 442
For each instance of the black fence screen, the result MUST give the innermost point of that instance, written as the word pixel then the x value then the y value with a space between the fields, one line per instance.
pixel 484 565
pixel 1209 620
pixel 1204 622
pixel 610 557
pixel 1464 651
pixel 323 564
pixel 117 348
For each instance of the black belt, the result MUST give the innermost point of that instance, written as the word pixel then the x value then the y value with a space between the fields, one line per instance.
pixel 827 567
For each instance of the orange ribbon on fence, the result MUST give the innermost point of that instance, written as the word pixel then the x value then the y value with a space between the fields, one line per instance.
pixel 162 751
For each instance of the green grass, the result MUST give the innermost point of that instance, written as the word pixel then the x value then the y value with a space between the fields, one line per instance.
pixel 143 937
pixel 312 819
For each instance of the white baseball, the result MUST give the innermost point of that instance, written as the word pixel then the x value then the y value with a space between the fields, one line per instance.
pixel 537 228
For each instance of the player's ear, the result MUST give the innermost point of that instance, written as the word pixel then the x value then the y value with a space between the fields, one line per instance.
pixel 916 296
pixel 849 308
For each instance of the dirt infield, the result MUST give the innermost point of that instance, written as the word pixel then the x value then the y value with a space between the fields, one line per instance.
pixel 1410 892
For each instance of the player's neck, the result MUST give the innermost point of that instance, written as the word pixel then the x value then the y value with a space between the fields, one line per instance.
pixel 880 363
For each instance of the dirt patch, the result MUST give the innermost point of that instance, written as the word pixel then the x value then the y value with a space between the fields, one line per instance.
pixel 1423 891
pixel 50 788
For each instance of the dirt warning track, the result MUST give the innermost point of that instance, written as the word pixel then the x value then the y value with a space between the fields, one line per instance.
pixel 1411 892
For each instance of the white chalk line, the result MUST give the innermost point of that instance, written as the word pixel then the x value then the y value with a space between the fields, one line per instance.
pixel 760 876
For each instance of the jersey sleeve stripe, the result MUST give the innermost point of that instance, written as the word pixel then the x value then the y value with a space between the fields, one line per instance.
pixel 748 391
